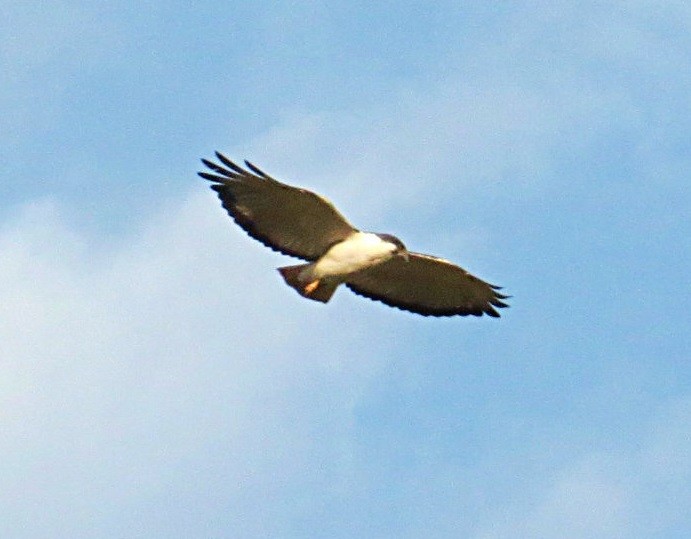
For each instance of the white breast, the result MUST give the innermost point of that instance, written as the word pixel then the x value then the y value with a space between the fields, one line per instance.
pixel 360 251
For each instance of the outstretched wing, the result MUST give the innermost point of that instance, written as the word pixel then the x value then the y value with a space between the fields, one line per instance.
pixel 428 286
pixel 294 221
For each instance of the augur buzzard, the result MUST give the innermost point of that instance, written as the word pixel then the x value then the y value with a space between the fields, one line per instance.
pixel 300 223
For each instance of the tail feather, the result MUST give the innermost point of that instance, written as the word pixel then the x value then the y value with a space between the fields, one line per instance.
pixel 291 275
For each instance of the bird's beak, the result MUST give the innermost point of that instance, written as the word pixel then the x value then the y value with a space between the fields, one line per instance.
pixel 404 255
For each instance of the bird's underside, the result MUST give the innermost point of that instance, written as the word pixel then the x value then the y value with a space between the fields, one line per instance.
pixel 300 223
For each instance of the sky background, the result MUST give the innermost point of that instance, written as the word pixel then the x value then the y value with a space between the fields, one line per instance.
pixel 158 379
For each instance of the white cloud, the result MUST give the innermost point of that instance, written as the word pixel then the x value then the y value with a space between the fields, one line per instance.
pixel 626 493
pixel 168 366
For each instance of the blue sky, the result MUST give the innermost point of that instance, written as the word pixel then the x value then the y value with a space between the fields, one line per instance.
pixel 159 379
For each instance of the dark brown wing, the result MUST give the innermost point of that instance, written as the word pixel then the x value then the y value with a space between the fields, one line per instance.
pixel 294 221
pixel 428 286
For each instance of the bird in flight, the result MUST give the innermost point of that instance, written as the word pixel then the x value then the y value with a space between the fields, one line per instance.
pixel 300 223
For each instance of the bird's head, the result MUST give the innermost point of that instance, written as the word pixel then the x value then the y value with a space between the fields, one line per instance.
pixel 399 248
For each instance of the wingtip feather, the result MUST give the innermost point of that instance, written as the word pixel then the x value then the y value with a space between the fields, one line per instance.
pixel 227 162
pixel 257 170
pixel 212 177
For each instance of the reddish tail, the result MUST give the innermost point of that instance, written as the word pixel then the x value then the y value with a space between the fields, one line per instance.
pixel 291 275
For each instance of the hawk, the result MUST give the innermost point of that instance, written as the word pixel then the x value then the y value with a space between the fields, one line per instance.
pixel 302 224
